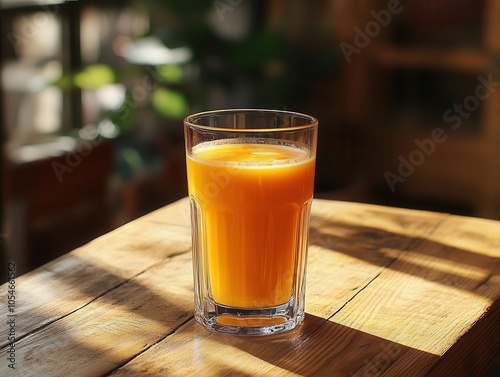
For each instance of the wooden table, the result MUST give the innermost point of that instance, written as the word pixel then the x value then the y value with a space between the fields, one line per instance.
pixel 390 292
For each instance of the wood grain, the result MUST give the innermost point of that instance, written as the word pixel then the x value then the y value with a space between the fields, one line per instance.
pixel 76 279
pixel 390 292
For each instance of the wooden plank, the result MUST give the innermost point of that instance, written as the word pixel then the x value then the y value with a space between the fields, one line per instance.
pixel 460 59
pixel 454 173
pixel 344 258
pixel 72 281
pixel 475 352
pixel 372 275
pixel 434 293
pixel 351 243
pixel 176 214
pixel 72 294
pixel 111 329
pixel 316 348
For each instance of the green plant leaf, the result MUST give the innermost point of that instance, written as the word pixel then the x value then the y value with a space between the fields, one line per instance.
pixel 169 103
pixel 94 76
pixel 170 73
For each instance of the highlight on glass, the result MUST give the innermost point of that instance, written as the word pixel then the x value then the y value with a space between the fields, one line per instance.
pixel 250 180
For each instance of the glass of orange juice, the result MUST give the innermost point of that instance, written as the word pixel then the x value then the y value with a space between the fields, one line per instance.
pixel 250 179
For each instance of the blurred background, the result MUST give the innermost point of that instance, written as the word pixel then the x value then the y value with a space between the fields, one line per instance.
pixel 93 94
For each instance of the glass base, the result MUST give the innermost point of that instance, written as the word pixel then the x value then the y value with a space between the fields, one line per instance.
pixel 254 321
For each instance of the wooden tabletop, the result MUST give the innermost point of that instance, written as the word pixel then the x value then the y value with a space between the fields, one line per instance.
pixel 390 292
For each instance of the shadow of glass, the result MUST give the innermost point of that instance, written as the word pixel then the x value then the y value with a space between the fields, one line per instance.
pixel 394 251
pixel 149 301
pixel 317 347
pixel 117 322
pixel 349 352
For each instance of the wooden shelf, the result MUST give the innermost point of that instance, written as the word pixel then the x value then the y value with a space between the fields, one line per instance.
pixel 407 88
pixel 460 59
pixel 454 170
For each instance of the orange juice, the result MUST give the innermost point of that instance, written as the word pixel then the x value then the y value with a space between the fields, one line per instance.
pixel 254 201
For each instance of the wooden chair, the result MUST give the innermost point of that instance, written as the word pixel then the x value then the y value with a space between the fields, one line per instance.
pixel 56 204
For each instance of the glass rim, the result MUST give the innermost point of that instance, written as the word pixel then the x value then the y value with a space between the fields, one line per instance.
pixel 312 121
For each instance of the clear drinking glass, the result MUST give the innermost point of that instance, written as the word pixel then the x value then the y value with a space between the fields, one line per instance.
pixel 250 179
